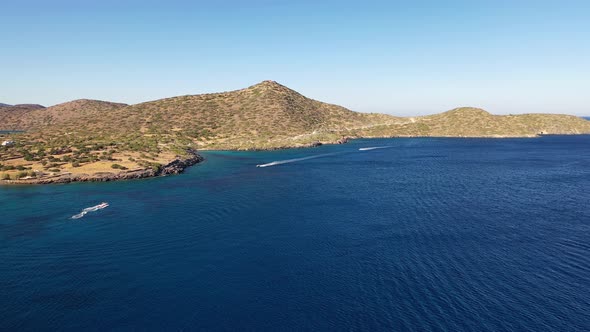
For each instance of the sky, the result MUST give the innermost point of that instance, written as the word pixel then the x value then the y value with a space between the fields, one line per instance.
pixel 397 57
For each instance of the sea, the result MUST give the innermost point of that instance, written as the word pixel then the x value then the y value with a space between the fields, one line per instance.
pixel 406 234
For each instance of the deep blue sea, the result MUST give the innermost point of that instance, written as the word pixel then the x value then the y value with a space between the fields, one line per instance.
pixel 423 234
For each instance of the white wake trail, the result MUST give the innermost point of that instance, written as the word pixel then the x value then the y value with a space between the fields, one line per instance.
pixel 375 148
pixel 286 161
pixel 90 209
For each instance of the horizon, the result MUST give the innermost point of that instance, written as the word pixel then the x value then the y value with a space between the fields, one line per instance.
pixel 400 59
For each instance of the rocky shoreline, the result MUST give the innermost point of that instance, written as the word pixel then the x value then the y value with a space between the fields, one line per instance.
pixel 176 166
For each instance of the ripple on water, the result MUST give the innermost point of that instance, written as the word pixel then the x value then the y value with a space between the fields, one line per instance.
pixel 430 234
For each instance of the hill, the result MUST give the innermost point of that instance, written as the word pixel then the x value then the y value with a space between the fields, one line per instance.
pixel 35 117
pixel 265 115
pixel 98 140
pixel 14 117
pixel 474 122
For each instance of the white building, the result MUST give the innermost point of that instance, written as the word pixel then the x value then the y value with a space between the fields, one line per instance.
pixel 7 143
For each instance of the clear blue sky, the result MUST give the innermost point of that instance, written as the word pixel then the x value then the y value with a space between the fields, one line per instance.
pixel 401 57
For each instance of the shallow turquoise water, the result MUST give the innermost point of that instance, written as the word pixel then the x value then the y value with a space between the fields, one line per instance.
pixel 426 234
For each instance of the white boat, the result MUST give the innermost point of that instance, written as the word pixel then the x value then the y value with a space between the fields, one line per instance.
pixel 98 207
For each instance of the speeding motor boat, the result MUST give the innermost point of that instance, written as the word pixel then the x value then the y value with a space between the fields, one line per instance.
pixel 102 205
pixel 90 209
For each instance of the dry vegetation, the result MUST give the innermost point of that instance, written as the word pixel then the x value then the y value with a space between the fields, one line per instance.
pixel 474 122
pixel 15 117
pixel 89 136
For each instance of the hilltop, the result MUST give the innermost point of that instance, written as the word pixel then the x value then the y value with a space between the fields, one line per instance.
pixel 98 140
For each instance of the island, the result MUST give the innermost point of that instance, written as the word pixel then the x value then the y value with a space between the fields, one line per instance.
pixel 91 140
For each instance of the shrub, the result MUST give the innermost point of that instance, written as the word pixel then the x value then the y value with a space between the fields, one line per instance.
pixel 156 167
pixel 21 174
pixel 76 164
pixel 5 176
pixel 117 166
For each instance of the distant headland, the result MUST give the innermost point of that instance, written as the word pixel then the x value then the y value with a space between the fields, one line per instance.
pixel 91 140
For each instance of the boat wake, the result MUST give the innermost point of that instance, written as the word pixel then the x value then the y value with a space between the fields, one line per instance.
pixel 374 148
pixel 286 161
pixel 90 209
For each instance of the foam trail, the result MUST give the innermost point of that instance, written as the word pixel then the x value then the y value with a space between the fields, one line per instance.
pixel 374 148
pixel 90 209
pixel 286 161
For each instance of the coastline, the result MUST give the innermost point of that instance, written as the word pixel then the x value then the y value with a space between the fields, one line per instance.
pixel 179 164
pixel 176 166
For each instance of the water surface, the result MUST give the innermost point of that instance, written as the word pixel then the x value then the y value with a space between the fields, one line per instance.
pixel 427 234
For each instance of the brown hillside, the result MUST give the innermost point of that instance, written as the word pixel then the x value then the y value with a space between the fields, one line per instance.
pixel 35 118
pixel 474 122
pixel 15 117
pixel 263 115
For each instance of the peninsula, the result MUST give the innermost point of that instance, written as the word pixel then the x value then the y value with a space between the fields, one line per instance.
pixel 90 140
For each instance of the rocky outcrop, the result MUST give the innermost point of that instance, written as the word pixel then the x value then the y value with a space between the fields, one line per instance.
pixel 343 140
pixel 178 165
